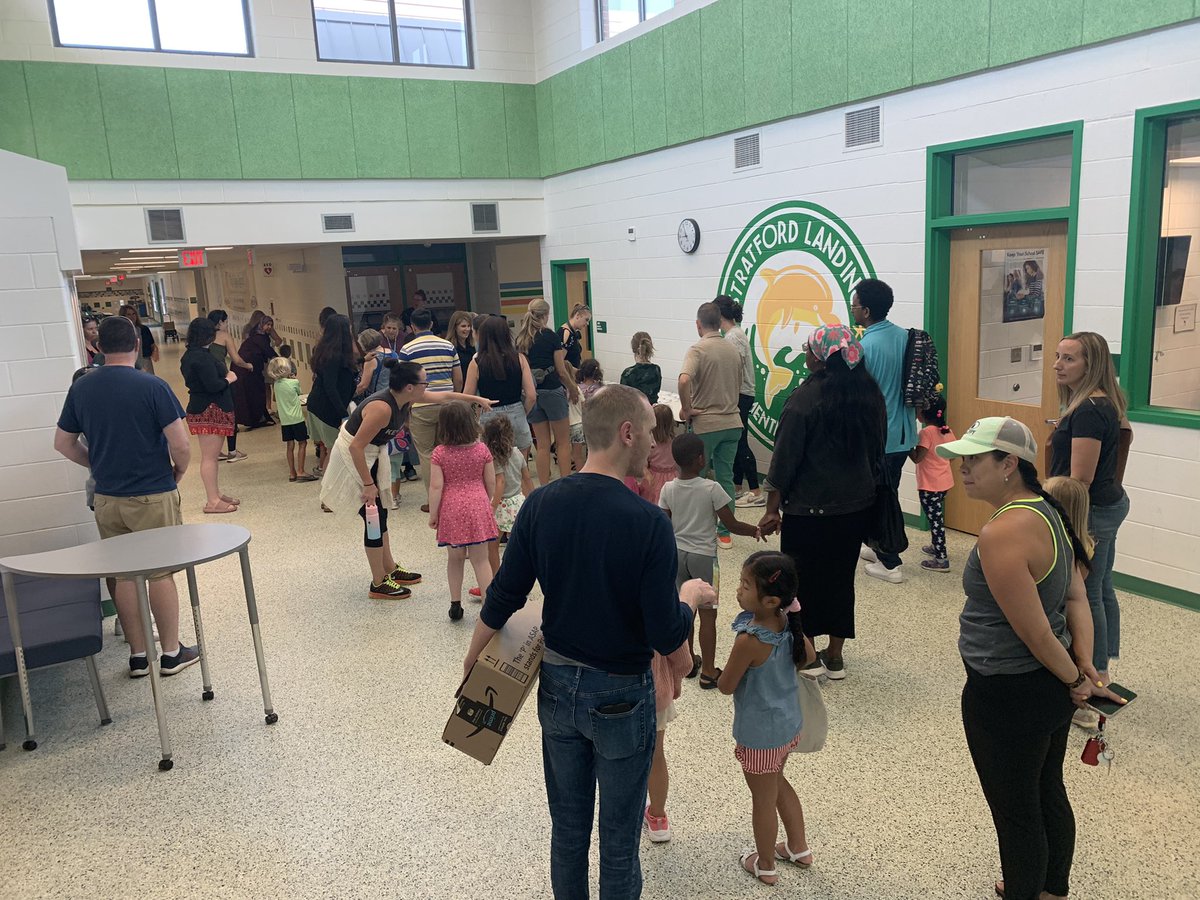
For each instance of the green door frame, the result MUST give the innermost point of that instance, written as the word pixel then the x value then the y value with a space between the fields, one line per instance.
pixel 558 292
pixel 940 221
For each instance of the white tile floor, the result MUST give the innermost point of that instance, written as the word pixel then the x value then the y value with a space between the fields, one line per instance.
pixel 353 794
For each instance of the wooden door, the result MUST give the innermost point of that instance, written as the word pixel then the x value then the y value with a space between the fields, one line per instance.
pixel 1007 290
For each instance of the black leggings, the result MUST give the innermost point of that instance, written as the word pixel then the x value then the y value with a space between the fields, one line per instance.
pixel 232 440
pixel 934 504
pixel 362 511
pixel 1016 728
pixel 745 466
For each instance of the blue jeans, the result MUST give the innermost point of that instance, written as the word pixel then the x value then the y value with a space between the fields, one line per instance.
pixel 893 464
pixel 581 746
pixel 1103 522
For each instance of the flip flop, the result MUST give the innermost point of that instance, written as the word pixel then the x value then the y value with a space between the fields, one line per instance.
pixel 229 508
pixel 232 501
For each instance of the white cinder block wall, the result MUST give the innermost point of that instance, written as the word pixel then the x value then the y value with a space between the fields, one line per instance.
pixel 880 193
pixel 41 494
pixel 284 41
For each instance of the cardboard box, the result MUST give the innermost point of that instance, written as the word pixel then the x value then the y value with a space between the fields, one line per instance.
pixel 496 687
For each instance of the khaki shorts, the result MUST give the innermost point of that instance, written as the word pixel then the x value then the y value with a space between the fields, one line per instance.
pixel 125 515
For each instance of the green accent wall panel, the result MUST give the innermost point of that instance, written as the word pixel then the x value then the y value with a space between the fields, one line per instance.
pixel 521 123
pixel 589 86
pixel 68 121
pixel 266 124
pixel 137 122
pixel 379 118
pixel 482 142
pixel 724 79
pixel 202 117
pixel 325 126
pixel 950 38
pixel 683 77
pixel 618 102
pixel 566 120
pixel 543 93
pixel 820 47
pixel 649 96
pixel 767 55
pixel 1104 19
pixel 882 30
pixel 1022 29
pixel 432 117
pixel 16 123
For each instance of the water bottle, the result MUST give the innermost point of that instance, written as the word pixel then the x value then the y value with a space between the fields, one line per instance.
pixel 373 532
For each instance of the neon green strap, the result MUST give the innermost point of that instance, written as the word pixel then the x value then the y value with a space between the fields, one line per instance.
pixel 1028 504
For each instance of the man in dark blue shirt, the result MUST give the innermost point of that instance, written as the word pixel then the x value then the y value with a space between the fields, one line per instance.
pixel 605 560
pixel 137 449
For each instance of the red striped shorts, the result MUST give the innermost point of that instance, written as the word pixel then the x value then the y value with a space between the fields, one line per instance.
pixel 764 762
pixel 213 420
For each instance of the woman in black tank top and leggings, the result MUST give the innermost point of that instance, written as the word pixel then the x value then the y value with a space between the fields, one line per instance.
pixel 1026 641
pixel 353 465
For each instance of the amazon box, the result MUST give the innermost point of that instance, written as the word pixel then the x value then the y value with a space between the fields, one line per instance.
pixel 496 687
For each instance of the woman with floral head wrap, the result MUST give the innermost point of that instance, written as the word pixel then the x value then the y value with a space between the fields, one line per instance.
pixel 821 484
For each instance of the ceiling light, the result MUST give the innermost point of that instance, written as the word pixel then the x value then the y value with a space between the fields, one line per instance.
pixel 218 248
pixel 158 250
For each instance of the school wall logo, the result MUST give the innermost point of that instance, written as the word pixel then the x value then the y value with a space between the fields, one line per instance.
pixel 793 268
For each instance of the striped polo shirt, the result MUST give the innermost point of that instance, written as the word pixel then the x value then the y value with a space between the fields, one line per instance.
pixel 436 356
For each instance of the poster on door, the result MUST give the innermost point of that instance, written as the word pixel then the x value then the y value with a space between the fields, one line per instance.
pixel 1024 285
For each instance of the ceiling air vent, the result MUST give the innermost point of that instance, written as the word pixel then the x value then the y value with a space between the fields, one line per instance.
pixel 746 153
pixel 485 217
pixel 337 222
pixel 863 128
pixel 165 226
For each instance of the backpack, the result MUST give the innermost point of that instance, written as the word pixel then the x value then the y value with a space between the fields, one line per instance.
pixel 922 382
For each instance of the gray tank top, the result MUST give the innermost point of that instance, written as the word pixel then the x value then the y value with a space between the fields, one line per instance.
pixel 986 640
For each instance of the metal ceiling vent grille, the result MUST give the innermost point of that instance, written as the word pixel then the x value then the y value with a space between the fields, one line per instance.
pixel 863 128
pixel 746 154
pixel 164 226
pixel 485 218
pixel 337 222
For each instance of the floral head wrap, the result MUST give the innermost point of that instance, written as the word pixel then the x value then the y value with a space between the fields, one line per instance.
pixel 829 339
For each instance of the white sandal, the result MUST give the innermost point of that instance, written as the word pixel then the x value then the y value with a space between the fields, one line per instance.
pixel 758 873
pixel 797 858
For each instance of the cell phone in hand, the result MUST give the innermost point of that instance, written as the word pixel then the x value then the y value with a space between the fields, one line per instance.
pixel 1109 708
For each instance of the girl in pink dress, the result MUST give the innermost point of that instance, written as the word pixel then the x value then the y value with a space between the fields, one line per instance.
pixel 660 467
pixel 461 484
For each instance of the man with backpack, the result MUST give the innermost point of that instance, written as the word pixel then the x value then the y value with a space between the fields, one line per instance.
pixel 884 347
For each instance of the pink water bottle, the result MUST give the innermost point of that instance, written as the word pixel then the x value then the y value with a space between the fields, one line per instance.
pixel 373 532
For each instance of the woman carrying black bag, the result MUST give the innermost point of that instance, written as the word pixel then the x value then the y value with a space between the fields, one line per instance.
pixel 821 486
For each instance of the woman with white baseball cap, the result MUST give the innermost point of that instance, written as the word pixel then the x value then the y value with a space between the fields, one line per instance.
pixel 1026 641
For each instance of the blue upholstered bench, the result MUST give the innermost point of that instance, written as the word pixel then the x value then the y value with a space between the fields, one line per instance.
pixel 60 622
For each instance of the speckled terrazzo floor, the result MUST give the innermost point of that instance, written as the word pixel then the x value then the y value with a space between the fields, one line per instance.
pixel 353 794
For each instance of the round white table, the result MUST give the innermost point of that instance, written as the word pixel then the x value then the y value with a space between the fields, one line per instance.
pixel 133 557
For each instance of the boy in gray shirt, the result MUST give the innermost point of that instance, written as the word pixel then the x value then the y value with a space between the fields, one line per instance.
pixel 694 505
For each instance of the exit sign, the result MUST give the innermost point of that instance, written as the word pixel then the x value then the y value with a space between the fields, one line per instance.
pixel 192 259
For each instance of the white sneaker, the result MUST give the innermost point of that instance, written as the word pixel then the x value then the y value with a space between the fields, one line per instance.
pixel 748 500
pixel 883 573
pixel 1087 719
pixel 395 501
pixel 235 456
pixel 866 554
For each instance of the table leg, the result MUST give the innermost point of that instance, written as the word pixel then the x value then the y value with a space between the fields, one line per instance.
pixel 14 628
pixel 98 691
pixel 256 633
pixel 164 739
pixel 194 594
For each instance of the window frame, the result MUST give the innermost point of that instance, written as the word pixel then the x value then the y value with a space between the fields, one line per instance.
pixel 468 32
pixel 151 6
pixel 1145 230
pixel 601 36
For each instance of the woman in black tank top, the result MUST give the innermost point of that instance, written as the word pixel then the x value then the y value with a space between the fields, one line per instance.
pixel 501 374
pixel 354 462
